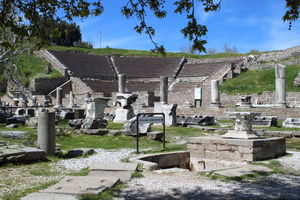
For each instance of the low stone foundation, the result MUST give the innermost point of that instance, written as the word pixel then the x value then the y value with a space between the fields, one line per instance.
pixel 216 147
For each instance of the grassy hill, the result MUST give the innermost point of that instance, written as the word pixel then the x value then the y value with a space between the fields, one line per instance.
pixel 127 52
pixel 258 81
pixel 31 66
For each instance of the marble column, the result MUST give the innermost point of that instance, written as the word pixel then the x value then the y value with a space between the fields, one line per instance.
pixel 71 100
pixel 58 97
pixel 280 85
pixel 122 83
pixel 46 132
pixel 215 94
pixel 164 90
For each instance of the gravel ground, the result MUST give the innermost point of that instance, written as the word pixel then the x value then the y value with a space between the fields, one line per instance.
pixel 102 155
pixel 189 185
pixel 292 161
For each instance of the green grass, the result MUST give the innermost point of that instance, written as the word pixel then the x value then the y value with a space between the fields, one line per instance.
pixel 258 81
pixel 108 194
pixel 179 131
pixel 18 194
pixel 115 126
pixel 293 144
pixel 105 142
pixel 31 66
pixel 250 177
pixel 128 52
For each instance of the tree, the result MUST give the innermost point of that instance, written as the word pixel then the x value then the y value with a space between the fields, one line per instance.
pixel 189 49
pixel 66 34
pixel 11 47
pixel 211 51
pixel 23 17
pixel 227 49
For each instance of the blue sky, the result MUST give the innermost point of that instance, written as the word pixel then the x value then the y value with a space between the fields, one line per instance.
pixel 245 24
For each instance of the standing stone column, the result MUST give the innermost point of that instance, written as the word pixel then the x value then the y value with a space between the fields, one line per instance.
pixel 164 90
pixel 280 85
pixel 122 83
pixel 58 97
pixel 46 132
pixel 34 101
pixel 71 100
pixel 215 94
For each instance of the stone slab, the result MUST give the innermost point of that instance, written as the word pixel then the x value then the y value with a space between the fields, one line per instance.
pixel 48 196
pixel 14 134
pixel 171 171
pixel 155 135
pixel 77 185
pixel 124 176
pixel 242 171
pixel 33 154
pixel 114 166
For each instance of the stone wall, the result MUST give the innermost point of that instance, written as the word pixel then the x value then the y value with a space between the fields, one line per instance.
pixel 79 87
pixel 293 99
pixel 44 85
pixel 205 85
pixel 220 113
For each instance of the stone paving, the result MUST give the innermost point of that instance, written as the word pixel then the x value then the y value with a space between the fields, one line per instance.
pixel 101 177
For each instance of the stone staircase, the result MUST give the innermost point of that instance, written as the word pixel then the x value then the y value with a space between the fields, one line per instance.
pixel 101 177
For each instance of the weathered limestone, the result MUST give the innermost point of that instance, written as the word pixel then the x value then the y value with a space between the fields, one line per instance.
pixel 130 127
pixel 170 113
pixel 164 90
pixel 77 185
pixel 291 123
pixel 124 100
pixel 46 132
pixel 125 112
pixel 215 147
pixel 58 97
pixel 71 100
pixel 95 108
pixel 34 101
pixel 280 85
pixel 264 121
pixel 215 94
pixel 163 107
pixel 245 102
pixel 242 125
pixel 122 83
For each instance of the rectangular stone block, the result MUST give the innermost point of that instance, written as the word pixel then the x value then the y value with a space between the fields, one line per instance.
pixel 243 149
pixel 210 147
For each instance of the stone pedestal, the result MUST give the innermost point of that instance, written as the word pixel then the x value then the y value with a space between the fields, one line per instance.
pixel 245 102
pixel 216 147
pixel 170 113
pixel 123 115
pixel 215 94
pixel 242 125
pixel 46 132
pixel 95 108
pixel 125 112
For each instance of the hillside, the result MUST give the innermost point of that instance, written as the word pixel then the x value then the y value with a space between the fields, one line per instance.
pixel 258 81
pixel 127 52
pixel 31 66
